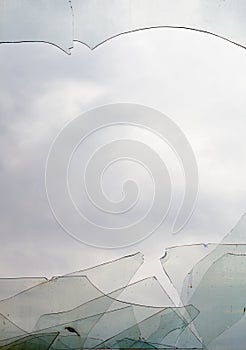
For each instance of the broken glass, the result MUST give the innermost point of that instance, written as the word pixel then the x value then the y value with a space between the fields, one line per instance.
pixel 97 327
pixel 65 292
pixel 195 275
pixel 115 300
pixel 186 265
pixel 74 313
pixel 91 331
pixel 153 329
pixel 130 343
pixel 220 296
pixel 9 330
pixel 209 276
pixel 178 261
pixel 215 285
pixel 188 339
pixel 31 342
pixel 70 312
pixel 96 22
pixel 12 286
pixel 106 276
pixel 60 22
pixel 56 295
pixel 103 325
pixel 39 21
pixel 233 336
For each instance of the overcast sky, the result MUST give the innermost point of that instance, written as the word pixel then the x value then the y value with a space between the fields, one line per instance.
pixel 197 80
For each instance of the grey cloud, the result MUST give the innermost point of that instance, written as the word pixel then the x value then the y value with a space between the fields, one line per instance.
pixel 194 79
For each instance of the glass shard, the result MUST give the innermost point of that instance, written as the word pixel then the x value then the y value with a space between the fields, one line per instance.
pixel 213 281
pixel 70 312
pixel 9 330
pixel 38 21
pixel 106 276
pixel 153 329
pixel 65 293
pixel 178 261
pixel 132 295
pixel 220 296
pixel 110 18
pixel 60 22
pixel 186 265
pixel 12 286
pixel 31 342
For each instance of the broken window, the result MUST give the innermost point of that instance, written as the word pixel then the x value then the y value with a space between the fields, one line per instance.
pixel 102 306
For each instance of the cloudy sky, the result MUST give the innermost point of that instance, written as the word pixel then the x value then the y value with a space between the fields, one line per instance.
pixel 197 80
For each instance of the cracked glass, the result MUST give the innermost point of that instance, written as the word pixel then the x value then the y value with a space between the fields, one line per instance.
pixel 122 161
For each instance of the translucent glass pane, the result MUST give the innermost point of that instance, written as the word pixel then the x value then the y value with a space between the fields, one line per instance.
pixel 186 265
pixel 197 274
pixel 136 293
pixel 92 22
pixel 181 66
pixel 12 286
pixel 153 329
pixel 31 342
pixel 112 18
pixel 220 296
pixel 212 280
pixel 9 330
pixel 106 276
pixel 39 21
pixel 231 337
pixel 67 292
pixel 95 329
pixel 82 326
pixel 178 261
pixel 56 295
